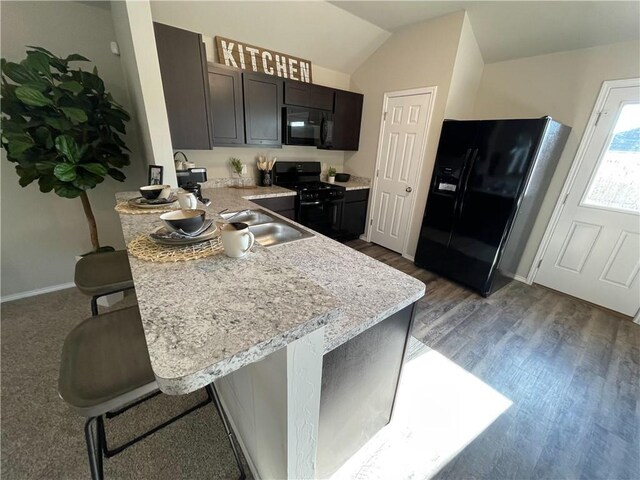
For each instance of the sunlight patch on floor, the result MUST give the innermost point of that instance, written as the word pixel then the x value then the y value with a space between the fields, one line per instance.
pixel 439 410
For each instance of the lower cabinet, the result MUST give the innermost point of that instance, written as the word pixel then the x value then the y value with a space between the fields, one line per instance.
pixel 285 206
pixel 354 213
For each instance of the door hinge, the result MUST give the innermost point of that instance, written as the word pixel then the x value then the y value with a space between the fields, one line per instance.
pixel 371 222
pixel 384 117
pixel 598 117
pixel 564 200
pixel 539 263
pixel 377 172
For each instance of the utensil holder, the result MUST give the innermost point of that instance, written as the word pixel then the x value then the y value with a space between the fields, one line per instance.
pixel 266 179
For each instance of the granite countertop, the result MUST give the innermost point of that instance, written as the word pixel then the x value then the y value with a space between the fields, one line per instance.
pixel 355 183
pixel 206 318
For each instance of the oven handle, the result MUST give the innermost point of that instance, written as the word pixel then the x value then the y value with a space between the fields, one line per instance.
pixel 303 204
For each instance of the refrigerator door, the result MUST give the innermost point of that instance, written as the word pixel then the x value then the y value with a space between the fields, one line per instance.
pixel 457 143
pixel 489 196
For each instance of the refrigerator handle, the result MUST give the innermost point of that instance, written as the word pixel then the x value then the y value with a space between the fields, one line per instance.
pixel 467 175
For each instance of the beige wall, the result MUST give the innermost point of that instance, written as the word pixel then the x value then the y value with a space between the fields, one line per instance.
pixel 467 73
pixel 564 85
pixel 422 55
pixel 42 233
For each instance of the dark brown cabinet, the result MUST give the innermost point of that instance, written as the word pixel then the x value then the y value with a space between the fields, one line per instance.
pixel 183 68
pixel 354 214
pixel 285 206
pixel 302 94
pixel 347 117
pixel 226 106
pixel 262 109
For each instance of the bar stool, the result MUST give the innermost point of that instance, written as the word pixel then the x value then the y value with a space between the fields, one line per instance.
pixel 100 274
pixel 105 370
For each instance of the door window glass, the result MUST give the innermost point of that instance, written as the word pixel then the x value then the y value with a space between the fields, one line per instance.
pixel 616 183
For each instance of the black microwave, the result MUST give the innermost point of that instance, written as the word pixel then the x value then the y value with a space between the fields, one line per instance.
pixel 308 126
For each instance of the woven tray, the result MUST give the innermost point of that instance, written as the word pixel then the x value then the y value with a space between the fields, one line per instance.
pixel 124 207
pixel 143 248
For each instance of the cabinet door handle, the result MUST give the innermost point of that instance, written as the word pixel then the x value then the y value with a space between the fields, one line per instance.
pixel 408 189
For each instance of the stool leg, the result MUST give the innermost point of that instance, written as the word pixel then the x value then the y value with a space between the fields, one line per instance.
pixel 94 306
pixel 213 395
pixel 94 451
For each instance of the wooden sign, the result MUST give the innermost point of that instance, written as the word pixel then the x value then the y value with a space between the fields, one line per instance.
pixel 249 57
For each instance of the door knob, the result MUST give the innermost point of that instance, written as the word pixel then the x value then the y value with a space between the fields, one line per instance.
pixel 408 189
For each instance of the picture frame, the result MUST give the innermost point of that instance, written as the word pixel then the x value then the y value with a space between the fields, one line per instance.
pixel 155 174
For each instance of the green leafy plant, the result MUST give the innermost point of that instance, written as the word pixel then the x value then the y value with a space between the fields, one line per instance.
pixel 236 164
pixel 332 172
pixel 61 127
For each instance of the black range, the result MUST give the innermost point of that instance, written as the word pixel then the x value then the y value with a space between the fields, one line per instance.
pixel 318 204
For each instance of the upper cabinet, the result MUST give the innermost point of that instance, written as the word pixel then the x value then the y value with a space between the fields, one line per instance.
pixel 347 116
pixel 301 94
pixel 262 109
pixel 184 78
pixel 212 105
pixel 227 110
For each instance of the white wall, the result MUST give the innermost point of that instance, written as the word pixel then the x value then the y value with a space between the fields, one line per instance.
pixel 467 73
pixel 564 85
pixel 422 55
pixel 42 233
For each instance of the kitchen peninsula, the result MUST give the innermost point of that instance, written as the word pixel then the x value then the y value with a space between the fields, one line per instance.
pixel 305 340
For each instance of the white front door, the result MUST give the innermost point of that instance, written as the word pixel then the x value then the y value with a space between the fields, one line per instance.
pixel 594 251
pixel 399 156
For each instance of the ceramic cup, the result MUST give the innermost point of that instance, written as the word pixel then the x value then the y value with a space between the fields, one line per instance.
pixel 187 201
pixel 237 240
pixel 154 192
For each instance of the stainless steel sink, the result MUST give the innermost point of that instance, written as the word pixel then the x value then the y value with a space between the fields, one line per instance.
pixel 276 233
pixel 250 217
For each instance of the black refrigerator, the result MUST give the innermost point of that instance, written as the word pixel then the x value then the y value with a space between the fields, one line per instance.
pixel 489 180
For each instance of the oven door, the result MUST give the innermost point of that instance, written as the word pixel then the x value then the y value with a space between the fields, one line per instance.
pixel 303 126
pixel 322 216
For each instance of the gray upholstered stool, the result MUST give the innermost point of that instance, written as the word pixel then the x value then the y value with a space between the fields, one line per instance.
pixel 100 274
pixel 105 370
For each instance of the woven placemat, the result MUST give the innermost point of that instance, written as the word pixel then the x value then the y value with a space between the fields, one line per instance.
pixel 144 248
pixel 124 207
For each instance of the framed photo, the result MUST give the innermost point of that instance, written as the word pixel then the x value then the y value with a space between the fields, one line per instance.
pixel 155 174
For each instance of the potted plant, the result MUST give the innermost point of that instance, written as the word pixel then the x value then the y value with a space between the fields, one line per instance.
pixel 331 175
pixel 237 167
pixel 62 128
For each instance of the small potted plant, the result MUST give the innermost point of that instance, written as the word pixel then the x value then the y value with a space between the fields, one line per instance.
pixel 237 167
pixel 331 175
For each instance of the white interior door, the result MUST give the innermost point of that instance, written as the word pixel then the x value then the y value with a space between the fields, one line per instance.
pixel 399 157
pixel 594 251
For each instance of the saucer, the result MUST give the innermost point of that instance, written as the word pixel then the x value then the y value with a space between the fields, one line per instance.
pixel 164 236
pixel 141 202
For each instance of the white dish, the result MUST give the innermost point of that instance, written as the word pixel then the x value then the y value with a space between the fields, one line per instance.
pixel 140 202
pixel 210 234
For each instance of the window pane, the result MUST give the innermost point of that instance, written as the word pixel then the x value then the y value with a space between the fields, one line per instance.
pixel 616 183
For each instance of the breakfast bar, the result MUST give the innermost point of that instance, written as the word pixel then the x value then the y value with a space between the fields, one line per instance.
pixel 304 340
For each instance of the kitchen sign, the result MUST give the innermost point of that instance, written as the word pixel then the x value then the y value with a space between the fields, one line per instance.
pixel 249 57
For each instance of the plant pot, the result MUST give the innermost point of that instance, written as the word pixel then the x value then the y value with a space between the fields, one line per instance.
pixel 331 179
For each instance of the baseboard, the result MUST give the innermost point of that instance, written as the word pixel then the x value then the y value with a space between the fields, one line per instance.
pixel 409 257
pixel 37 291
pixel 520 278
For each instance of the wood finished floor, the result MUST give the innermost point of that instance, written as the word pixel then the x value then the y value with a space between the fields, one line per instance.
pixel 571 370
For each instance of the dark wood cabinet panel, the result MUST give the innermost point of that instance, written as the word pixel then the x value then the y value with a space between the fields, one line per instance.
pixel 354 213
pixel 346 120
pixel 308 95
pixel 226 112
pixel 282 205
pixel 183 71
pixel 262 109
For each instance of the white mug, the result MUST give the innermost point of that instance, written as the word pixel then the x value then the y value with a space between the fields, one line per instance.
pixel 187 201
pixel 237 240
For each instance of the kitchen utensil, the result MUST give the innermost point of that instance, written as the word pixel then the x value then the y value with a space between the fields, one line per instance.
pixel 237 240
pixel 342 177
pixel 141 202
pixel 164 236
pixel 186 220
